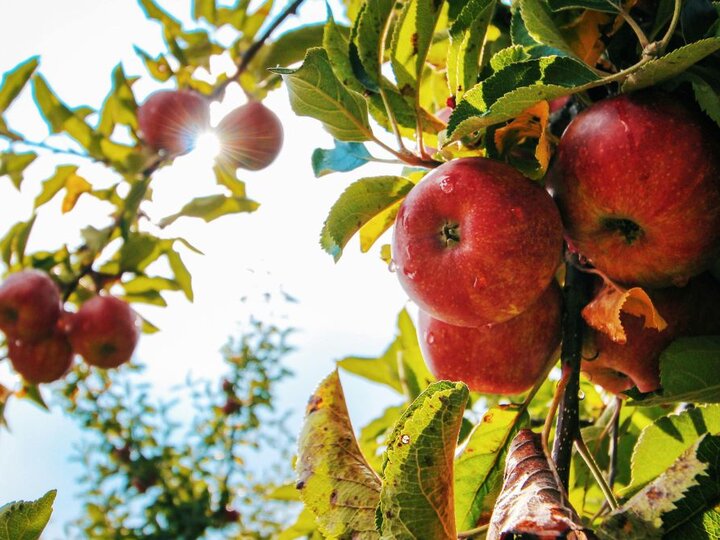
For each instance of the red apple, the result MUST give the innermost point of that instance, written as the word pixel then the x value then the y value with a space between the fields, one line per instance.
pixel 637 180
pixel 693 310
pixel 502 358
pixel 251 137
pixel 104 331
pixel 29 305
pixel 43 361
pixel 171 120
pixel 475 242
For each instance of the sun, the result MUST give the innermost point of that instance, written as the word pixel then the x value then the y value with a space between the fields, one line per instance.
pixel 207 146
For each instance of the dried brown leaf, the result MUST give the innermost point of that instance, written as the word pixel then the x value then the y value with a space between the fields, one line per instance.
pixel 531 503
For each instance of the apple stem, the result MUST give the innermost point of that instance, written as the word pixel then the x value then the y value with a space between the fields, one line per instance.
pixel 576 292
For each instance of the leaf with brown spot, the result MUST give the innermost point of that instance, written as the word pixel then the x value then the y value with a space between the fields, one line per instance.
pixel 531 503
pixel 335 481
pixel 603 312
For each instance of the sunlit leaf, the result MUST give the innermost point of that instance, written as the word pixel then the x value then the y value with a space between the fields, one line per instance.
pixel 334 479
pixel 26 520
pixel 315 91
pixel 479 469
pixel 14 81
pixel 212 207
pixel 357 205
pixel 416 499
pixel 343 158
pixel 13 165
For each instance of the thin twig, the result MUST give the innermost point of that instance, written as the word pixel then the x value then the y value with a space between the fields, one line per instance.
pixel 613 449
pixel 596 472
pixel 663 43
pixel 642 38
pixel 473 532
pixel 42 145
pixel 254 48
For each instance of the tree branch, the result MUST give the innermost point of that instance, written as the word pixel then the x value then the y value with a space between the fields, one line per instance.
pixel 576 293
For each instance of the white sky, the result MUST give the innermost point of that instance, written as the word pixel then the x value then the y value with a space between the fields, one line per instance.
pixel 348 308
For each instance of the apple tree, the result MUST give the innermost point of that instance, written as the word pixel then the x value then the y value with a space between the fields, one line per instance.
pixel 530 146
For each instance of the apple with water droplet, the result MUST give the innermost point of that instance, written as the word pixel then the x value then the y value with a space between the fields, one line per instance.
pixel 637 180
pixel 475 242
pixel 104 331
pixel 693 310
pixel 29 305
pixel 43 361
pixel 171 120
pixel 501 358
pixel 251 137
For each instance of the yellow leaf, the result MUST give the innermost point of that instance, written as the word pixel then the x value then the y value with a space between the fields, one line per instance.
pixel 374 228
pixel 74 187
pixel 532 123
pixel 603 313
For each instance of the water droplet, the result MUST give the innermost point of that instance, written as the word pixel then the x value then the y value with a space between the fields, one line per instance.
pixel 446 185
pixel 392 267
pixel 405 439
pixel 409 272
pixel 479 282
pixel 430 338
pixel 581 395
pixel 517 212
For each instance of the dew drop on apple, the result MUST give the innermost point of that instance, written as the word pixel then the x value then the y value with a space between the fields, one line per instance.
pixel 405 439
pixel 517 212
pixel 479 282
pixel 392 266
pixel 446 185
pixel 430 338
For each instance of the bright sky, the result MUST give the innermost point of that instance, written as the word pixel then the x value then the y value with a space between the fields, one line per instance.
pixel 348 308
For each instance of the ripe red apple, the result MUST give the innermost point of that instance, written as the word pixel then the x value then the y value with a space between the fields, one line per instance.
pixel 29 306
pixel 251 137
pixel 171 120
pixel 501 358
pixel 43 361
pixel 104 331
pixel 693 310
pixel 475 242
pixel 637 180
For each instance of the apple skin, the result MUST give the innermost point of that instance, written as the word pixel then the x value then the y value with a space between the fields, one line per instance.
pixel 43 361
pixel 475 242
pixel 693 310
pixel 502 358
pixel 29 306
pixel 104 331
pixel 251 137
pixel 170 120
pixel 637 180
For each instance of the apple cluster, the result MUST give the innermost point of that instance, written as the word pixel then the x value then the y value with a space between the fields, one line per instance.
pixel 43 338
pixel 637 181
pixel 251 135
pixel 476 246
pixel 634 190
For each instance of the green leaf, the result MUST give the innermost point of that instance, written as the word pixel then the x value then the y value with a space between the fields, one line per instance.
pixel 540 25
pixel 142 284
pixel 343 158
pixel 401 366
pixel 376 227
pixel 373 436
pixel 14 81
pixel 368 38
pixel 135 250
pixel 509 55
pixel 479 469
pixel 54 184
pixel 304 527
pixel 15 241
pixel 689 371
pixel 155 12
pixel 204 9
pixel 315 91
pixel 705 95
pixel 685 491
pixel 673 63
pixel 26 520
pixel 159 68
pixel 335 481
pixel 212 207
pixel 226 177
pixel 289 47
pixel 416 500
pixel 13 165
pixel 508 92
pixel 411 42
pixel 467 36
pixel 359 203
pixel 662 442
pixel 181 273
pixel 119 106
pixel 606 6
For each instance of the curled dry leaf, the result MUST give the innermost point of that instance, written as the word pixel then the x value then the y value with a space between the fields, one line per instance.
pixel 603 312
pixel 531 503
pixel 532 123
